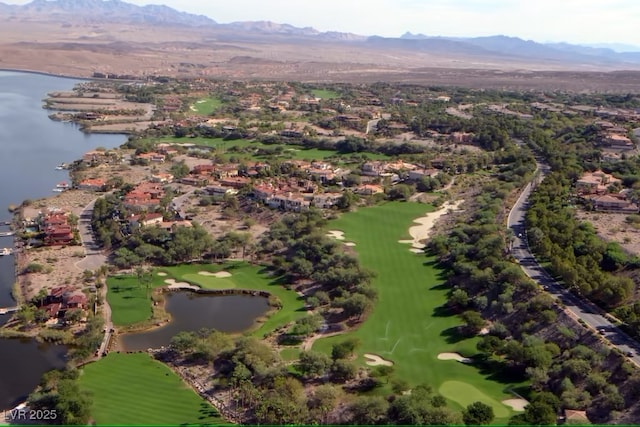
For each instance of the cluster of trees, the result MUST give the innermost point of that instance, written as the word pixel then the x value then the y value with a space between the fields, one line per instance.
pixel 582 261
pixel 301 251
pixel 60 397
pixel 155 245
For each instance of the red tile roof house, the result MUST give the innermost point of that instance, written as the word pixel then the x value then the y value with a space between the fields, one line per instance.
pixel 145 195
pixel 611 203
pixel 97 184
pixel 57 229
pixel 76 300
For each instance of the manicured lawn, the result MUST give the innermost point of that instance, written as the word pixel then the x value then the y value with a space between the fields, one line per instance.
pixel 134 389
pixel 129 300
pixel 244 276
pixel 465 394
pixel 325 94
pixel 206 106
pixel 409 324
pixel 248 150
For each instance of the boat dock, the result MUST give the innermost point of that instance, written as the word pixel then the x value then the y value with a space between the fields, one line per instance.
pixel 8 310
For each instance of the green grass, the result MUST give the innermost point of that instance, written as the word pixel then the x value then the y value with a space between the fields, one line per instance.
pixel 248 149
pixel 465 394
pixel 206 106
pixel 290 354
pixel 409 324
pixel 245 276
pixel 134 389
pixel 325 94
pixel 129 300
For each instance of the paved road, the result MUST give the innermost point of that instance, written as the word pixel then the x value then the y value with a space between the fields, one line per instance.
pixel 94 258
pixel 579 307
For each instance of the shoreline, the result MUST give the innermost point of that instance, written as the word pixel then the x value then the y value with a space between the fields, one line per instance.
pixel 47 74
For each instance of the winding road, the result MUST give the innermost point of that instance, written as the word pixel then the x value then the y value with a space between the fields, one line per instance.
pixel 578 307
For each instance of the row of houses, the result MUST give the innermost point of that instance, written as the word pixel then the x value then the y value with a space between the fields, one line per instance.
pixel 600 190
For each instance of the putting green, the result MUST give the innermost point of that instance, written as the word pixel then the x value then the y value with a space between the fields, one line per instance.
pixel 465 394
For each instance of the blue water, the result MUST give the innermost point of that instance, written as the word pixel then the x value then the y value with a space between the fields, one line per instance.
pixel 31 145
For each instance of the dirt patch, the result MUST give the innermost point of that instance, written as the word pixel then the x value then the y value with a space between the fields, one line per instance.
pixel 613 227
pixel 336 234
pixel 454 356
pixel 516 404
pixel 375 360
pixel 219 274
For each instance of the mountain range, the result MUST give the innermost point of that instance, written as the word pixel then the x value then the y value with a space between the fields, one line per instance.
pixel 497 49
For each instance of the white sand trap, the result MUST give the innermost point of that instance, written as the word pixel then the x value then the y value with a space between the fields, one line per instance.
pixel 219 274
pixel 454 356
pixel 179 285
pixel 375 360
pixel 162 274
pixel 349 244
pixel 422 231
pixel 516 404
pixel 416 250
pixel 336 234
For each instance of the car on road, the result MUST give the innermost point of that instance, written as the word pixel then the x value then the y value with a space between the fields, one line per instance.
pixel 629 353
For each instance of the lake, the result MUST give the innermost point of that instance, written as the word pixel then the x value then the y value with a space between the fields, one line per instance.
pixel 31 145
pixel 225 313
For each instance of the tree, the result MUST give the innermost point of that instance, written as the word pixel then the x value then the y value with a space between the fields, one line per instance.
pixel 184 342
pixel 344 349
pixel 322 401
pixel 356 305
pixel 314 364
pixel 368 410
pixel 401 192
pixel 459 298
pixel 478 413
pixel 343 370
pixel 473 322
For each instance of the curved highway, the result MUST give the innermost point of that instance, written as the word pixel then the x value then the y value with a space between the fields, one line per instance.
pixel 580 308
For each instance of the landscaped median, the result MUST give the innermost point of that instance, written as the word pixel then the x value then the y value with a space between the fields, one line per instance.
pixel 410 325
pixel 132 303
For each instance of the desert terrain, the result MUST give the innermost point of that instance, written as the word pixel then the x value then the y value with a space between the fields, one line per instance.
pixel 82 49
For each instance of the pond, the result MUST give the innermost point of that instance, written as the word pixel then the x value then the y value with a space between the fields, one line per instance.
pixel 191 312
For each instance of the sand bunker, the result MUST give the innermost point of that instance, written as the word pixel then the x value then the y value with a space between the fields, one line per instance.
pixel 162 274
pixel 336 234
pixel 349 244
pixel 375 360
pixel 454 356
pixel 180 285
pixel 516 404
pixel 219 274
pixel 422 231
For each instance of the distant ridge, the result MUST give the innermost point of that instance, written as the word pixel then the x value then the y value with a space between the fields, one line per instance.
pixel 99 11
pixel 480 50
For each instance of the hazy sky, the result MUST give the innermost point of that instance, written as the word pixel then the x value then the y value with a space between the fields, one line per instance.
pixel 574 21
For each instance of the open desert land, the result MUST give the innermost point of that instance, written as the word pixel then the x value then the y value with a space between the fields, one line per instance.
pixel 80 49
